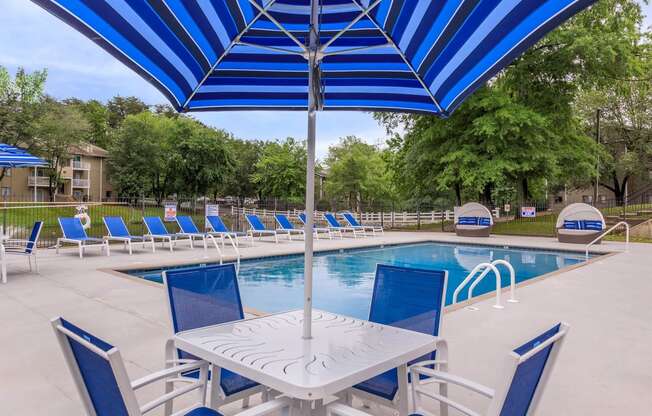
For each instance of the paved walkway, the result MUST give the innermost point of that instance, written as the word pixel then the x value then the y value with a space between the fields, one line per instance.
pixel 605 367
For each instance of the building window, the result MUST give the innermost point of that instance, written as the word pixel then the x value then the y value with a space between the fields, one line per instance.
pixel 5 191
pixel 587 199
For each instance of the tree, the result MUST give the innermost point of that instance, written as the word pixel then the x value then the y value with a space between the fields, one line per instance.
pixel 245 154
pixel 201 155
pixel 141 161
pixel 97 116
pixel 281 170
pixel 20 107
pixel 60 128
pixel 357 171
pixel 119 108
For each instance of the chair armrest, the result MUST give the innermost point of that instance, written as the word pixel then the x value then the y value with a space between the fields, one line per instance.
pixel 339 409
pixel 159 375
pixel 267 408
pixel 16 241
pixel 453 379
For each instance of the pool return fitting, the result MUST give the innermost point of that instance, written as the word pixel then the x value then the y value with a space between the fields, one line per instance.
pixel 485 268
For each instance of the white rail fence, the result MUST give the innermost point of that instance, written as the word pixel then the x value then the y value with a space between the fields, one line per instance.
pixel 388 219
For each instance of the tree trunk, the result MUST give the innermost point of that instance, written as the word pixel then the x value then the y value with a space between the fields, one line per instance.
pixel 458 194
pixel 525 191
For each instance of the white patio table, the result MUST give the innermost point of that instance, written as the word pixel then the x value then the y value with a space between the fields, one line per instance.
pixel 342 353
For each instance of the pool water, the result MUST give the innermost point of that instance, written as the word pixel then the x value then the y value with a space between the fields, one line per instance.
pixel 343 281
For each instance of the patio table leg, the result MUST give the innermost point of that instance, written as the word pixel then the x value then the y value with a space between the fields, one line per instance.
pixel 403 390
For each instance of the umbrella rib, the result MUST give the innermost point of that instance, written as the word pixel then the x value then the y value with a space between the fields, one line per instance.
pixel 264 11
pixel 361 48
pixel 271 48
pixel 402 55
pixel 234 42
pixel 350 25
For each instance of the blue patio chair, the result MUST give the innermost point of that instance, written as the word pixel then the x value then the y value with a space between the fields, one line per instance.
pixel 156 231
pixel 104 386
pixel 318 230
pixel 26 248
pixel 117 231
pixel 204 296
pixel 74 233
pixel 257 228
pixel 188 228
pixel 219 229
pixel 286 226
pixel 355 224
pixel 335 225
pixel 410 299
pixel 524 377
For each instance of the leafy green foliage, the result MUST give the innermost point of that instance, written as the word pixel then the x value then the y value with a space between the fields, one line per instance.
pixel 357 172
pixel 281 170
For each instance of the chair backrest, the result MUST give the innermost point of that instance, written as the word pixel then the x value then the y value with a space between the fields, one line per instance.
pixel 155 226
pixel 302 218
pixel 526 373
pixel 284 222
pixel 187 225
pixel 72 228
pixel 255 222
pixel 351 219
pixel 203 296
pixel 98 371
pixel 33 237
pixel 332 221
pixel 116 227
pixel 217 224
pixel 409 298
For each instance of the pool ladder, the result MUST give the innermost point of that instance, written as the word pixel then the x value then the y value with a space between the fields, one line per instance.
pixel 484 269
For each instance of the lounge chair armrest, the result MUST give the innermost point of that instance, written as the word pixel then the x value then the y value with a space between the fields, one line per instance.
pixel 15 241
pixel 339 409
pixel 168 372
pixel 453 379
pixel 147 407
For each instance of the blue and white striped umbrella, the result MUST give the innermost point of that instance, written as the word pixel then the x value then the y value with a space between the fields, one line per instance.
pixel 422 56
pixel 13 157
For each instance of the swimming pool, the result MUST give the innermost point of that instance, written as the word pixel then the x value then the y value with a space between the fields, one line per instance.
pixel 343 280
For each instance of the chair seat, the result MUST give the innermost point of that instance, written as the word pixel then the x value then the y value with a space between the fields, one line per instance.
pixel 230 382
pixel 203 411
pixel 384 385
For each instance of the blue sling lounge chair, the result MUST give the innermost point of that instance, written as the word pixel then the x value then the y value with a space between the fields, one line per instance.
pixel 319 230
pixel 74 233
pixel 188 228
pixel 204 296
pixel 257 228
pixel 286 226
pixel 156 231
pixel 219 229
pixel 355 224
pixel 118 231
pixel 105 389
pixel 406 298
pixel 334 225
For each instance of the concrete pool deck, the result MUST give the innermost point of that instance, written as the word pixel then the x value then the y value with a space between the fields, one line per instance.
pixel 604 368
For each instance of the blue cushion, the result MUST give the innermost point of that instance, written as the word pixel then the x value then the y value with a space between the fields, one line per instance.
pixel 595 225
pixel 203 411
pixel 467 221
pixel 484 221
pixel 571 225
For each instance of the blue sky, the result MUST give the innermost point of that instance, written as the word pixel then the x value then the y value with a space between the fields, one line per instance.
pixel 33 39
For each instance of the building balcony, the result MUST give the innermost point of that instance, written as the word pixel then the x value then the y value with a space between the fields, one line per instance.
pixel 79 165
pixel 81 183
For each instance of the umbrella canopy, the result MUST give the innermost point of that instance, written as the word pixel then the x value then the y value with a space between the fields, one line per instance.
pixel 13 157
pixel 382 55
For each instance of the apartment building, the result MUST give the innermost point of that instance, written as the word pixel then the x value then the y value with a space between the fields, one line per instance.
pixel 84 178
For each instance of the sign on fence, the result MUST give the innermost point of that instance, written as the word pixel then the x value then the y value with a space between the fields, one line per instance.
pixel 528 212
pixel 170 211
pixel 211 210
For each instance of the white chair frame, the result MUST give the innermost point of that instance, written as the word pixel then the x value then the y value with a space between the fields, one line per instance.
pixel 172 238
pixel 19 244
pixel 373 228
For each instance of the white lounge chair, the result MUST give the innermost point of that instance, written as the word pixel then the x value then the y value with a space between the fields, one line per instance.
pixel 118 231
pixel 74 233
pixel 257 228
pixel 188 228
pixel 156 231
pixel 579 224
pixel 319 230
pixel 473 220
pixel 286 226
pixel 355 224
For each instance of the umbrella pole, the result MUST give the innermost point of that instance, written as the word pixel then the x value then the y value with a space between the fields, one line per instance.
pixel 310 172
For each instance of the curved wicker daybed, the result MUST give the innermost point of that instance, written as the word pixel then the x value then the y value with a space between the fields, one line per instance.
pixel 473 220
pixel 579 223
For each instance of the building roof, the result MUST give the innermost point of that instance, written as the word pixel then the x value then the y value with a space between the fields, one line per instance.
pixel 88 149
